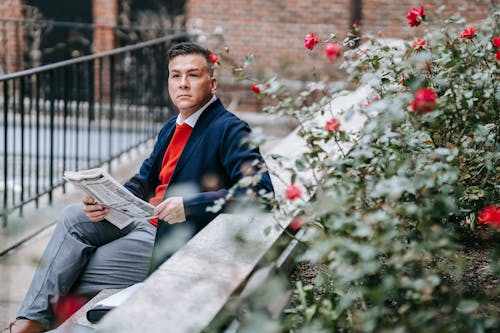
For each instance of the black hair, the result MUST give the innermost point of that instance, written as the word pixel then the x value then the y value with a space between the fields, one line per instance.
pixel 188 48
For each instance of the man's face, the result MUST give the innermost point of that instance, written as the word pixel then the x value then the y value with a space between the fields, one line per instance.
pixel 189 83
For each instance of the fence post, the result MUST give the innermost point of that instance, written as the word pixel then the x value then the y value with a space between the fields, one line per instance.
pixel 90 109
pixel 22 129
pixel 65 118
pixel 52 127
pixel 37 162
pixel 111 106
pixel 5 147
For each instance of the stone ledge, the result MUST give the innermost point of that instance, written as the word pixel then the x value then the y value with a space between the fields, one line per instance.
pixel 203 280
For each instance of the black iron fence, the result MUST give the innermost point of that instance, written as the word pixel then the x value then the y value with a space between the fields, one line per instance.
pixel 78 114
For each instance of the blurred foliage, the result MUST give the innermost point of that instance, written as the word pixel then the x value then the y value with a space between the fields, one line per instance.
pixel 393 208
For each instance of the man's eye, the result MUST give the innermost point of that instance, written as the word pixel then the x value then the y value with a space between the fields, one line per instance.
pixel 193 75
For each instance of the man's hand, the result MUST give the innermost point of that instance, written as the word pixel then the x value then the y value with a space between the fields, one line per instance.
pixel 171 210
pixel 94 212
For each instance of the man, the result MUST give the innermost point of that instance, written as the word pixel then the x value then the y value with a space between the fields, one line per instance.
pixel 197 158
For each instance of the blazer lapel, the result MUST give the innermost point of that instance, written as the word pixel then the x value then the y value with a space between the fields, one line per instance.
pixel 197 135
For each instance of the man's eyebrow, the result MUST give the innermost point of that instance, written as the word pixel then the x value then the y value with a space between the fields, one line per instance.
pixel 196 69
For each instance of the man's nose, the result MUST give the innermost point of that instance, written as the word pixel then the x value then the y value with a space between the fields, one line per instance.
pixel 184 82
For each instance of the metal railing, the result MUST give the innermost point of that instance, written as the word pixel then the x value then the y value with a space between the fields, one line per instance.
pixel 78 114
pixel 29 43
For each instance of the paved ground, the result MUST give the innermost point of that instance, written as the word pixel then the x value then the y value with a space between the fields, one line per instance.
pixel 17 266
pixel 16 272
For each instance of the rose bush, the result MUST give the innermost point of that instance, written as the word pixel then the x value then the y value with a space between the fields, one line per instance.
pixel 391 213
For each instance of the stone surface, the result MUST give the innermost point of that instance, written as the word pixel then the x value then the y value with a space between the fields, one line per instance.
pixel 188 290
pixel 16 271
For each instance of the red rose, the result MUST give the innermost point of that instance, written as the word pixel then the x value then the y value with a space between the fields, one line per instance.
pixel 468 33
pixel 332 50
pixel 332 125
pixel 496 41
pixel 424 100
pixel 490 215
pixel 415 16
pixel 498 55
pixel 296 223
pixel 256 89
pixel 419 44
pixel 292 192
pixel 213 58
pixel 310 40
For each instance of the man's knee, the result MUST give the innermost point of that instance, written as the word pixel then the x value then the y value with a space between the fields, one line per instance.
pixel 71 216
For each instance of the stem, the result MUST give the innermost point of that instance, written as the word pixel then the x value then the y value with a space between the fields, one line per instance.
pixel 485 61
pixel 338 145
pixel 288 232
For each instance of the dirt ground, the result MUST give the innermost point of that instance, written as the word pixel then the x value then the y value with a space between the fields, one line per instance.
pixel 479 276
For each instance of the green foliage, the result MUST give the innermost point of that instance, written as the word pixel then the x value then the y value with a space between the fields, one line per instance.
pixel 393 206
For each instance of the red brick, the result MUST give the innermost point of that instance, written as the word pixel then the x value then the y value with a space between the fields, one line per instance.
pixel 105 13
pixel 11 9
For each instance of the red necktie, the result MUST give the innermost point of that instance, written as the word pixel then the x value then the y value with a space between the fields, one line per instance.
pixel 170 159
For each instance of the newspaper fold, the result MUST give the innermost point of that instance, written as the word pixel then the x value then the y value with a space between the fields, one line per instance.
pixel 124 207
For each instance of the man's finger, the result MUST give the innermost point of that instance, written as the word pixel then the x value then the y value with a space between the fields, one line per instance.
pixel 161 212
pixel 97 215
pixel 162 208
pixel 88 200
pixel 93 208
pixel 171 210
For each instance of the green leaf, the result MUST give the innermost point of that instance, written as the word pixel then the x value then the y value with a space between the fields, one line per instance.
pixel 467 306
pixel 248 60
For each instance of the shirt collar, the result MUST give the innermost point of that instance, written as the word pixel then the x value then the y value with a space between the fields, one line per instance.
pixel 192 119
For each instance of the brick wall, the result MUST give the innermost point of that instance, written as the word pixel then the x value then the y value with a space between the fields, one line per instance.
pixel 11 37
pixel 261 26
pixel 389 17
pixel 274 30
pixel 105 13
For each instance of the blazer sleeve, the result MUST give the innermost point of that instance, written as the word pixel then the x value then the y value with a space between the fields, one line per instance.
pixel 143 183
pixel 232 154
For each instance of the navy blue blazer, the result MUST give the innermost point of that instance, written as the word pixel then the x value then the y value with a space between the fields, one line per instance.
pixel 208 167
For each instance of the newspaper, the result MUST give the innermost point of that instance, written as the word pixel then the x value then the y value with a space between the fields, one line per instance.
pixel 102 307
pixel 124 207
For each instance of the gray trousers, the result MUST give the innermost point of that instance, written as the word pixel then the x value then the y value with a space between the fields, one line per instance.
pixel 84 257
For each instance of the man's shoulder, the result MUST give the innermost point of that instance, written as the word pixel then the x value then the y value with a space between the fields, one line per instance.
pixel 227 118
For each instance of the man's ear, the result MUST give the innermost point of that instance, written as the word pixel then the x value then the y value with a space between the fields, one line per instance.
pixel 213 82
